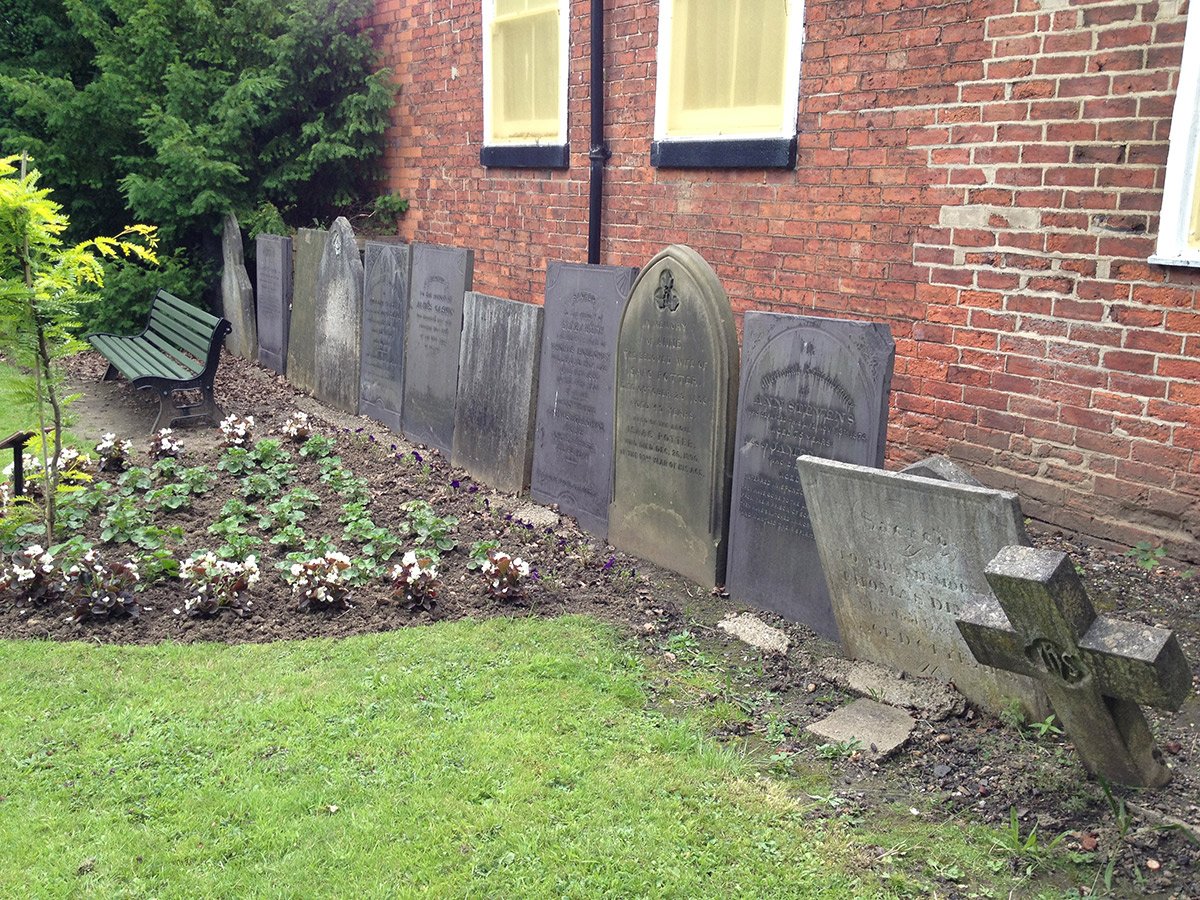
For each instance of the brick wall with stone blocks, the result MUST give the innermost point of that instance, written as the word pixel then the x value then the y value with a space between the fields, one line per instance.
pixel 984 176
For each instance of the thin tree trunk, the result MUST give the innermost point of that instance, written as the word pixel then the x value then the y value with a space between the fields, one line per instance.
pixel 42 372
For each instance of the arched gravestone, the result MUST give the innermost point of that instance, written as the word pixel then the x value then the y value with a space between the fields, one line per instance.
pixel 572 450
pixel 339 319
pixel 308 247
pixel 809 386
pixel 441 276
pixel 385 305
pixel 677 364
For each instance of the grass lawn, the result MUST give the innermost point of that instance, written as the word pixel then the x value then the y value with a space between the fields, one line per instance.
pixel 505 758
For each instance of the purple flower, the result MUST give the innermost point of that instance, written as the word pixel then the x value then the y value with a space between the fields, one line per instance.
pixel 608 565
pixel 472 489
pixel 394 447
pixel 534 574
pixel 417 456
pixel 454 483
pixel 371 438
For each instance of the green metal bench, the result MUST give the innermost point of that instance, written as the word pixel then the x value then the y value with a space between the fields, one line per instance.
pixel 178 351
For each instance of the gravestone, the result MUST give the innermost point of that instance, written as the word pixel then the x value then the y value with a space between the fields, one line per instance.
pixel 274 268
pixel 903 556
pixel 1095 670
pixel 237 294
pixel 308 247
pixel 497 384
pixel 572 446
pixel 385 303
pixel 677 364
pixel 941 468
pixel 809 387
pixel 339 319
pixel 441 276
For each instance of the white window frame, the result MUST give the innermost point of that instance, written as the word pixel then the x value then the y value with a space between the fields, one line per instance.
pixel 564 28
pixel 1183 160
pixel 791 92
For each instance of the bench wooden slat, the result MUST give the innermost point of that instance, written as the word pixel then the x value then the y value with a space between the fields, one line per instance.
pixel 135 360
pixel 169 335
pixel 157 343
pixel 184 323
pixel 169 302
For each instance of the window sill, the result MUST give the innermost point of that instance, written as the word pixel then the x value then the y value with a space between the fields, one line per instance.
pixel 752 153
pixel 1189 262
pixel 531 156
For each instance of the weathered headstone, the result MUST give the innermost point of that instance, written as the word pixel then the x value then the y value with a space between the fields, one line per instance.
pixel 941 468
pixel 809 386
pixel 572 448
pixel 385 304
pixel 237 294
pixel 308 247
pixel 497 384
pixel 903 556
pixel 1095 670
pixel 274 268
pixel 677 365
pixel 441 276
pixel 339 319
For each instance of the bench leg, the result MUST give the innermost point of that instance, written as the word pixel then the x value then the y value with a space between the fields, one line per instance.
pixel 111 374
pixel 166 410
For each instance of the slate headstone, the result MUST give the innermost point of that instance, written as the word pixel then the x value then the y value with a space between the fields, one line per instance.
pixel 339 319
pixel 677 365
pixel 1096 670
pixel 274 268
pixel 308 247
pixel 497 386
pixel 572 447
pixel 385 305
pixel 237 294
pixel 809 386
pixel 903 556
pixel 441 276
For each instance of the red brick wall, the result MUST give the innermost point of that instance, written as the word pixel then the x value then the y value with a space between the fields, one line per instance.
pixel 982 175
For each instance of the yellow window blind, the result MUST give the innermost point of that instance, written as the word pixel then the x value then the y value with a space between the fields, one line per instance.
pixel 1194 225
pixel 526 71
pixel 728 67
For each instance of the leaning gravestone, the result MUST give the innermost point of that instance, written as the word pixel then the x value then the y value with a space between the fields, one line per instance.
pixel 497 383
pixel 441 276
pixel 385 303
pixel 1095 670
pixel 309 247
pixel 274 264
pixel 572 447
pixel 809 386
pixel 677 364
pixel 339 319
pixel 903 556
pixel 237 294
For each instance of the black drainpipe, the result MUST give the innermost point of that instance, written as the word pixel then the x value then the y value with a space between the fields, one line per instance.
pixel 599 152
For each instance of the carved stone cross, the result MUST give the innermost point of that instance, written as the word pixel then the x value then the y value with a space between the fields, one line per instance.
pixel 1095 670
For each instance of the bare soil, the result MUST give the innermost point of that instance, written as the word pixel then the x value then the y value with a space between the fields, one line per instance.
pixel 970 767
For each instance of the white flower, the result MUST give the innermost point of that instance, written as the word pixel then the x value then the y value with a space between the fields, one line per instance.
pixel 410 558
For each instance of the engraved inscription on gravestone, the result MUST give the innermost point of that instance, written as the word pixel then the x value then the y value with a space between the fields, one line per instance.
pixel 441 276
pixel 677 365
pixel 385 304
pixel 274 267
pixel 308 248
pixel 903 556
pixel 809 386
pixel 572 454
